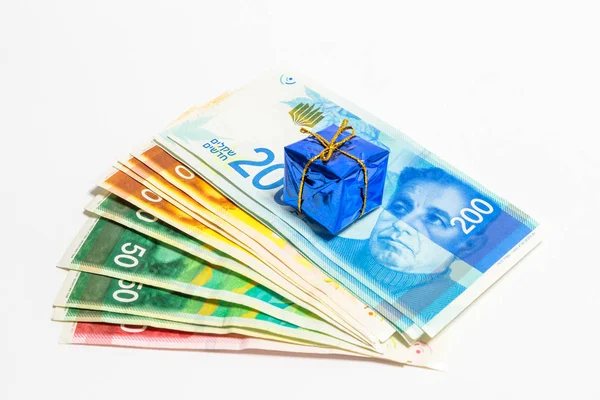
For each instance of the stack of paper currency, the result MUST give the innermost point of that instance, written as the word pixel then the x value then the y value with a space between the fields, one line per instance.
pixel 191 247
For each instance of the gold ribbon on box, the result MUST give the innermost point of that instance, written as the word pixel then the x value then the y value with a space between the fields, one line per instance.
pixel 330 147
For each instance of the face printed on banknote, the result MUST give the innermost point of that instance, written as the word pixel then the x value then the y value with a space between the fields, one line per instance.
pixel 415 232
pixel 436 235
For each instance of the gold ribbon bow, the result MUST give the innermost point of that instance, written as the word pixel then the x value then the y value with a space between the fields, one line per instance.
pixel 329 147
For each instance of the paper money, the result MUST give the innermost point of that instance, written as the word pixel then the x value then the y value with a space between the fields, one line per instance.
pixel 107 248
pixel 143 334
pixel 91 333
pixel 147 177
pixel 137 194
pixel 203 193
pixel 96 292
pixel 81 315
pixel 301 272
pixel 439 241
pixel 409 331
pixel 406 327
pixel 170 262
pixel 116 209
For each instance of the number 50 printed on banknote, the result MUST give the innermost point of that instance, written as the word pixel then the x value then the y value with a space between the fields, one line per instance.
pixel 439 240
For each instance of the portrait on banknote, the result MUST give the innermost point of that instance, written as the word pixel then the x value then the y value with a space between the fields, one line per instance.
pixel 436 234
pixel 429 225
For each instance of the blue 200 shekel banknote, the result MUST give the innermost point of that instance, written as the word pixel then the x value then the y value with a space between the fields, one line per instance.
pixel 439 240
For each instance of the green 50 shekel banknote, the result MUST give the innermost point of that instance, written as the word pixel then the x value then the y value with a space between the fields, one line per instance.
pixel 136 322
pixel 107 248
pixel 96 292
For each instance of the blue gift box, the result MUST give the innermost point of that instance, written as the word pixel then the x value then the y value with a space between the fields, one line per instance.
pixel 333 190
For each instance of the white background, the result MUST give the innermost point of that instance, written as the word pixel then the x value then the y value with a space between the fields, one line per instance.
pixel 508 92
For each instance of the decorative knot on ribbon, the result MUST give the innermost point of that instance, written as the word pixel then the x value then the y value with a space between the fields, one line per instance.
pixel 329 147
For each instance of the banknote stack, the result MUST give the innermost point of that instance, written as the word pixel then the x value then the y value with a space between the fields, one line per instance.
pixel 190 246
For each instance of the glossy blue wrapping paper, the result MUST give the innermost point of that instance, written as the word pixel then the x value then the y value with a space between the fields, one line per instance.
pixel 333 191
